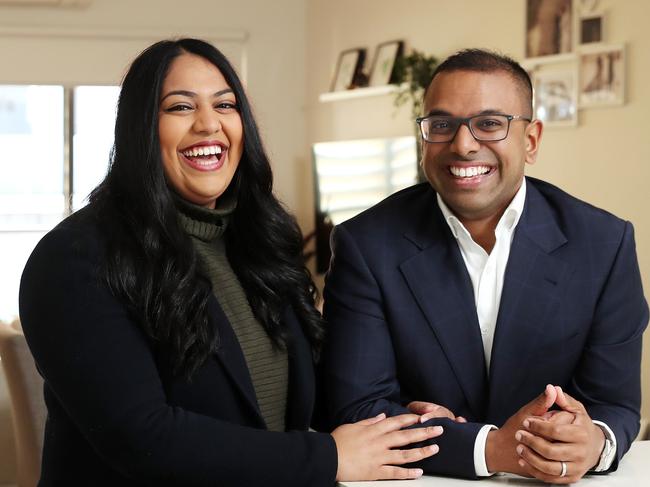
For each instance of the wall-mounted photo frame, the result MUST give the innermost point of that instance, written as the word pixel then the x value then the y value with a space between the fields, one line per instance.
pixel 348 69
pixel 549 28
pixel 555 93
pixel 591 29
pixel 602 75
pixel 383 64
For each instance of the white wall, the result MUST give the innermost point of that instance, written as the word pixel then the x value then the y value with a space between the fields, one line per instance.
pixel 604 160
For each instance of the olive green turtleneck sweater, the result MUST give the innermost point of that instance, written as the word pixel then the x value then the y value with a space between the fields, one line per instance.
pixel 268 366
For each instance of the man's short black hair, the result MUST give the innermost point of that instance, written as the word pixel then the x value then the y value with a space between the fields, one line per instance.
pixel 482 60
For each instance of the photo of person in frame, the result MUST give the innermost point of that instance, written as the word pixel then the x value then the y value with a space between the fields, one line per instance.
pixel 548 27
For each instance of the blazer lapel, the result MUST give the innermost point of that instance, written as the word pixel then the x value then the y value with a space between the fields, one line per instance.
pixel 438 280
pixel 532 286
pixel 300 396
pixel 232 358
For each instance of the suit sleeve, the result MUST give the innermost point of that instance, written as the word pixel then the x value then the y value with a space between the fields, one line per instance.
pixel 99 366
pixel 358 370
pixel 608 378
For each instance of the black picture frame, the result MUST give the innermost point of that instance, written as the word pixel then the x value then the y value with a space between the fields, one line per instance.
pixel 591 29
pixel 348 69
pixel 383 64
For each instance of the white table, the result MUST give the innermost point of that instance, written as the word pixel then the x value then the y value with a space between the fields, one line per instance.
pixel 633 471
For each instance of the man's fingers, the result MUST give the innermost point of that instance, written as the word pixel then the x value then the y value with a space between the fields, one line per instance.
pixel 429 410
pixel 545 477
pixel 543 402
pixel 560 417
pixel 568 403
pixel 541 463
pixel 439 412
pixel 568 433
pixel 421 407
pixel 544 448
pixel 399 473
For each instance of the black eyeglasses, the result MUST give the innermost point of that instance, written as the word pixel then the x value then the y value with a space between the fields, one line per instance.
pixel 486 128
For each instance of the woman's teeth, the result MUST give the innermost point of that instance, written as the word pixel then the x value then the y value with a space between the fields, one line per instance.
pixel 203 151
pixel 468 172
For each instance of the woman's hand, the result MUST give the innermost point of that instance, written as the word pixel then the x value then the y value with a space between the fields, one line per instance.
pixel 366 449
pixel 430 410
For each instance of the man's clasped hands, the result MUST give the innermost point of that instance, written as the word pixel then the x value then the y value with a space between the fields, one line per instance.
pixel 558 445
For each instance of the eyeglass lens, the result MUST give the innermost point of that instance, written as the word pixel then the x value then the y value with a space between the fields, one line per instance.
pixel 483 127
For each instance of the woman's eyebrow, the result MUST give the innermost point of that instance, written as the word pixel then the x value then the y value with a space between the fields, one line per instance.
pixel 191 94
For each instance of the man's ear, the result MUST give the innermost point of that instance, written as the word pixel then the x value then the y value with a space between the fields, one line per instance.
pixel 533 138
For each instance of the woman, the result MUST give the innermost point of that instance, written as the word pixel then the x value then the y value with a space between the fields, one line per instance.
pixel 172 318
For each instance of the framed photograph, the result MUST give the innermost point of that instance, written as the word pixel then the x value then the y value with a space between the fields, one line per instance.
pixel 348 69
pixel 602 75
pixel 549 27
pixel 555 94
pixel 591 29
pixel 383 64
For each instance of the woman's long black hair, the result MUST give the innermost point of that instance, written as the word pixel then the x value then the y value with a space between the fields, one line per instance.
pixel 151 263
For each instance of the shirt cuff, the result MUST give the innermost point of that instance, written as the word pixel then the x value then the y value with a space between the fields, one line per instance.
pixel 480 465
pixel 608 455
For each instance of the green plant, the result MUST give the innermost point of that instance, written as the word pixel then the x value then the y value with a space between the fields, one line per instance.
pixel 414 73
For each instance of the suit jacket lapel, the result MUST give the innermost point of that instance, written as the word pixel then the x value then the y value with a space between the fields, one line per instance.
pixel 532 285
pixel 230 355
pixel 438 279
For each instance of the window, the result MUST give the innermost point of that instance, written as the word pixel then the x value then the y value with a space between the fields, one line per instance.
pixel 40 180
pixel 94 123
pixel 354 175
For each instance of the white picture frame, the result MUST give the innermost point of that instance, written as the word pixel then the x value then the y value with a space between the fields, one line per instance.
pixel 555 93
pixel 602 75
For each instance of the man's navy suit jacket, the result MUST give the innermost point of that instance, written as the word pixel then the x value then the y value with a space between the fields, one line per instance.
pixel 403 325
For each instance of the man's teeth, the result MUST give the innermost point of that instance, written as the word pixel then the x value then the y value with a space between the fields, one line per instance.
pixel 469 172
pixel 203 151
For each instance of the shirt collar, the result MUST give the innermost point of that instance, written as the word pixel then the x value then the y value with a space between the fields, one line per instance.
pixel 508 220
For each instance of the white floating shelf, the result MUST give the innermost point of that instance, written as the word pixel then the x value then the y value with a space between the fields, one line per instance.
pixel 358 93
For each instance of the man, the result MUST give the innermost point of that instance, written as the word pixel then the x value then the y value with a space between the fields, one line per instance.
pixel 477 290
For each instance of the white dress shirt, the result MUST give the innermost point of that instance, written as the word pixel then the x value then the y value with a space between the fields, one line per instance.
pixel 486 272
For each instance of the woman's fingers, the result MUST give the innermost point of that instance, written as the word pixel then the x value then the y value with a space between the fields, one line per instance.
pixel 395 423
pixel 415 435
pixel 400 457
pixel 376 419
pixel 399 473
pixel 370 449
